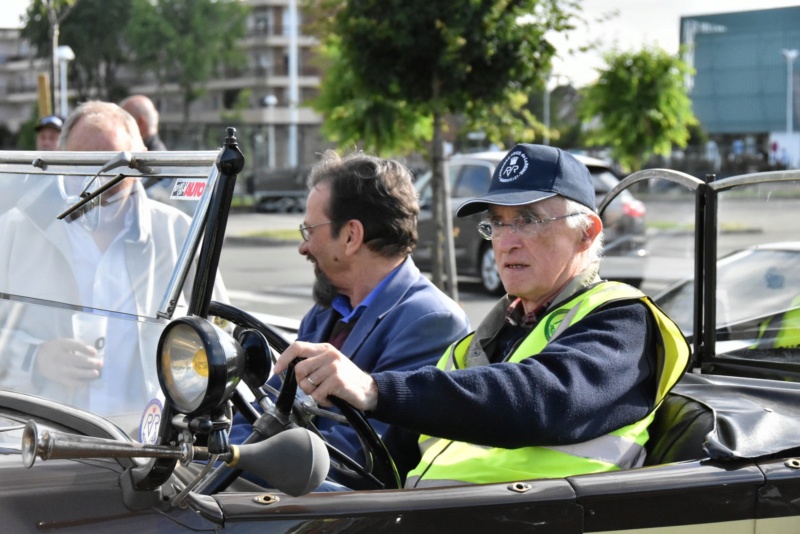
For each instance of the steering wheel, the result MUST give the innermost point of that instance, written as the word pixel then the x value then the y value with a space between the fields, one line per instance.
pixel 381 475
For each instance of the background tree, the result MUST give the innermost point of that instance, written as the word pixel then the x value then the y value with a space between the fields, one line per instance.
pixel 92 30
pixel 355 117
pixel 187 42
pixel 640 106
pixel 42 29
pixel 433 58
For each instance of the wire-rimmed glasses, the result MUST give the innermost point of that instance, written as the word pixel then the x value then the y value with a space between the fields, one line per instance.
pixel 526 226
pixel 304 229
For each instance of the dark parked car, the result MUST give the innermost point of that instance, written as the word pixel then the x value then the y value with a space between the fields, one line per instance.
pixel 470 174
pixel 722 453
pixel 279 190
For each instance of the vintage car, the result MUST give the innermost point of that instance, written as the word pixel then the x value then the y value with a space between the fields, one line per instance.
pixel 144 446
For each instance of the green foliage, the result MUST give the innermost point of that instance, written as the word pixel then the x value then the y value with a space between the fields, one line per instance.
pixel 386 124
pixel 185 41
pixel 400 58
pixel 179 41
pixel 641 104
pixel 99 53
pixel 398 66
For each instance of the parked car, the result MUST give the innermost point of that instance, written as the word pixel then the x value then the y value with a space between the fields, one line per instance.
pixel 278 190
pixel 470 174
pixel 721 455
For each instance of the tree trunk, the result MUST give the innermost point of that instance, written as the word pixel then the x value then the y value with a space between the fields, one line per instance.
pixel 443 261
pixel 437 184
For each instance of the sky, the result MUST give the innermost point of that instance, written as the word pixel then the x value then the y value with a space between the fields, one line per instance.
pixel 628 25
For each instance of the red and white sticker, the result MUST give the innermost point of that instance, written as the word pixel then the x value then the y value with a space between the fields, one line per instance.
pixel 151 420
pixel 188 189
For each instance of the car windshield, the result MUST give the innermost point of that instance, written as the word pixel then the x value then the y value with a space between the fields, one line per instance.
pixel 85 295
pixel 757 297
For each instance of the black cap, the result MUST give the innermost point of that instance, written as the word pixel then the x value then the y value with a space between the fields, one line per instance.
pixel 529 173
pixel 51 121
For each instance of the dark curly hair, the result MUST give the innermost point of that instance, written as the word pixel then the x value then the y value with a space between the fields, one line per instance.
pixel 377 192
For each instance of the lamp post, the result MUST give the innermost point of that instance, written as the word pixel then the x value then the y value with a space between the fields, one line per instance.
pixel 271 101
pixel 547 91
pixel 64 55
pixel 790 56
pixel 294 92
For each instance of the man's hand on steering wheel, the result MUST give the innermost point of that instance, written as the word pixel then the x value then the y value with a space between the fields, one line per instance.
pixel 324 371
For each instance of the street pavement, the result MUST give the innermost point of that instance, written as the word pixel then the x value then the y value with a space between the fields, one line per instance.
pixel 242 225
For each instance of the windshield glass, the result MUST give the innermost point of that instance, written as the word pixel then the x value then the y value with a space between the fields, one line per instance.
pixel 758 273
pixel 82 298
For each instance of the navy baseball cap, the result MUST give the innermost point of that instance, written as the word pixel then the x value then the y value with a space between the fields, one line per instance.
pixel 529 173
pixel 51 121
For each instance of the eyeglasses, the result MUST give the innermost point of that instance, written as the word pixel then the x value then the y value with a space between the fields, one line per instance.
pixel 524 226
pixel 304 229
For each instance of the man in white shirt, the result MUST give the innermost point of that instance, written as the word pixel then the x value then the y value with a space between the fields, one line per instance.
pixel 115 257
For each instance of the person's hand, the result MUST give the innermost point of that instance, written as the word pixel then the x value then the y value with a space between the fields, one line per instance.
pixel 324 372
pixel 68 361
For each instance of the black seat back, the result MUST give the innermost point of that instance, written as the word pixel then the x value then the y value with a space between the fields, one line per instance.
pixel 678 431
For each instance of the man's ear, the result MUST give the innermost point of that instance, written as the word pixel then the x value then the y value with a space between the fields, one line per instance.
pixel 353 232
pixel 594 229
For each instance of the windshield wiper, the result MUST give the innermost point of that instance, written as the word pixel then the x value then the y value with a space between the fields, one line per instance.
pixel 120 160
pixel 88 197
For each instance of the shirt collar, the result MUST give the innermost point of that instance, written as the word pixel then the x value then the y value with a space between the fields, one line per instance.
pixel 342 304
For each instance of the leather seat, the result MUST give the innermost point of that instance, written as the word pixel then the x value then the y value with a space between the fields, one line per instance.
pixel 679 431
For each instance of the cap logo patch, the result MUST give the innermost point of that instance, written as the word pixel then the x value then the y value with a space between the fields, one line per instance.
pixel 514 166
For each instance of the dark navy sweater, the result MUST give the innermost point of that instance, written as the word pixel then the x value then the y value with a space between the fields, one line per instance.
pixel 597 376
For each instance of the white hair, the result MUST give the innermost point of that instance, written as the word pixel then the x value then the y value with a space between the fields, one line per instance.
pixel 584 222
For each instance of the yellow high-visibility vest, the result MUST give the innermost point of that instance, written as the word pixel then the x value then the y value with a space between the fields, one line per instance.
pixel 446 462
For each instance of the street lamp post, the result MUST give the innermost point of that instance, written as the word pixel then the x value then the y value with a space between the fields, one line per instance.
pixel 790 56
pixel 270 101
pixel 294 92
pixel 547 91
pixel 64 55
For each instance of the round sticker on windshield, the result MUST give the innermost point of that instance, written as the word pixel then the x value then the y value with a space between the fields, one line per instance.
pixel 151 420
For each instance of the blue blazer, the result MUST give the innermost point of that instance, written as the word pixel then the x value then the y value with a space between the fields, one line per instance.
pixel 409 324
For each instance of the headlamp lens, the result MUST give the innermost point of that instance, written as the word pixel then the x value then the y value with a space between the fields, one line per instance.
pixel 185 367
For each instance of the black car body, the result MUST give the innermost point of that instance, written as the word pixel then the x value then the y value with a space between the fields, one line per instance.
pixel 469 176
pixel 721 458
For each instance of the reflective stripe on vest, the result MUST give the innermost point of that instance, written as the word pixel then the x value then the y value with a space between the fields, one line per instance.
pixel 449 462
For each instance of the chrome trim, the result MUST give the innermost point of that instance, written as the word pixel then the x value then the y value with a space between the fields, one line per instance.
pixel 640 176
pixel 171 158
pixel 755 178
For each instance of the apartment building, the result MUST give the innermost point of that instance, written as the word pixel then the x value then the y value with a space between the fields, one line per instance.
pixel 266 101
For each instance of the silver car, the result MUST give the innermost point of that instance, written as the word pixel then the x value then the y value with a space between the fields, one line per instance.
pixel 470 174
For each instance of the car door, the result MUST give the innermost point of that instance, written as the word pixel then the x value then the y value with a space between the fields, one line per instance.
pixel 468 179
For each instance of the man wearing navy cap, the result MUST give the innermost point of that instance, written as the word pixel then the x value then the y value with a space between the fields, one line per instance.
pixel 564 374
pixel 47 131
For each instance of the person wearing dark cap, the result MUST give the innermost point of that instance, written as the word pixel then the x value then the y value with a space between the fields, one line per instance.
pixel 47 131
pixel 563 375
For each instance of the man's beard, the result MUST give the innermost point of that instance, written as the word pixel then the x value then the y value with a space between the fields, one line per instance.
pixel 324 291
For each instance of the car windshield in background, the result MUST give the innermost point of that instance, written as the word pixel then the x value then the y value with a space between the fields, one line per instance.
pixel 96 282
